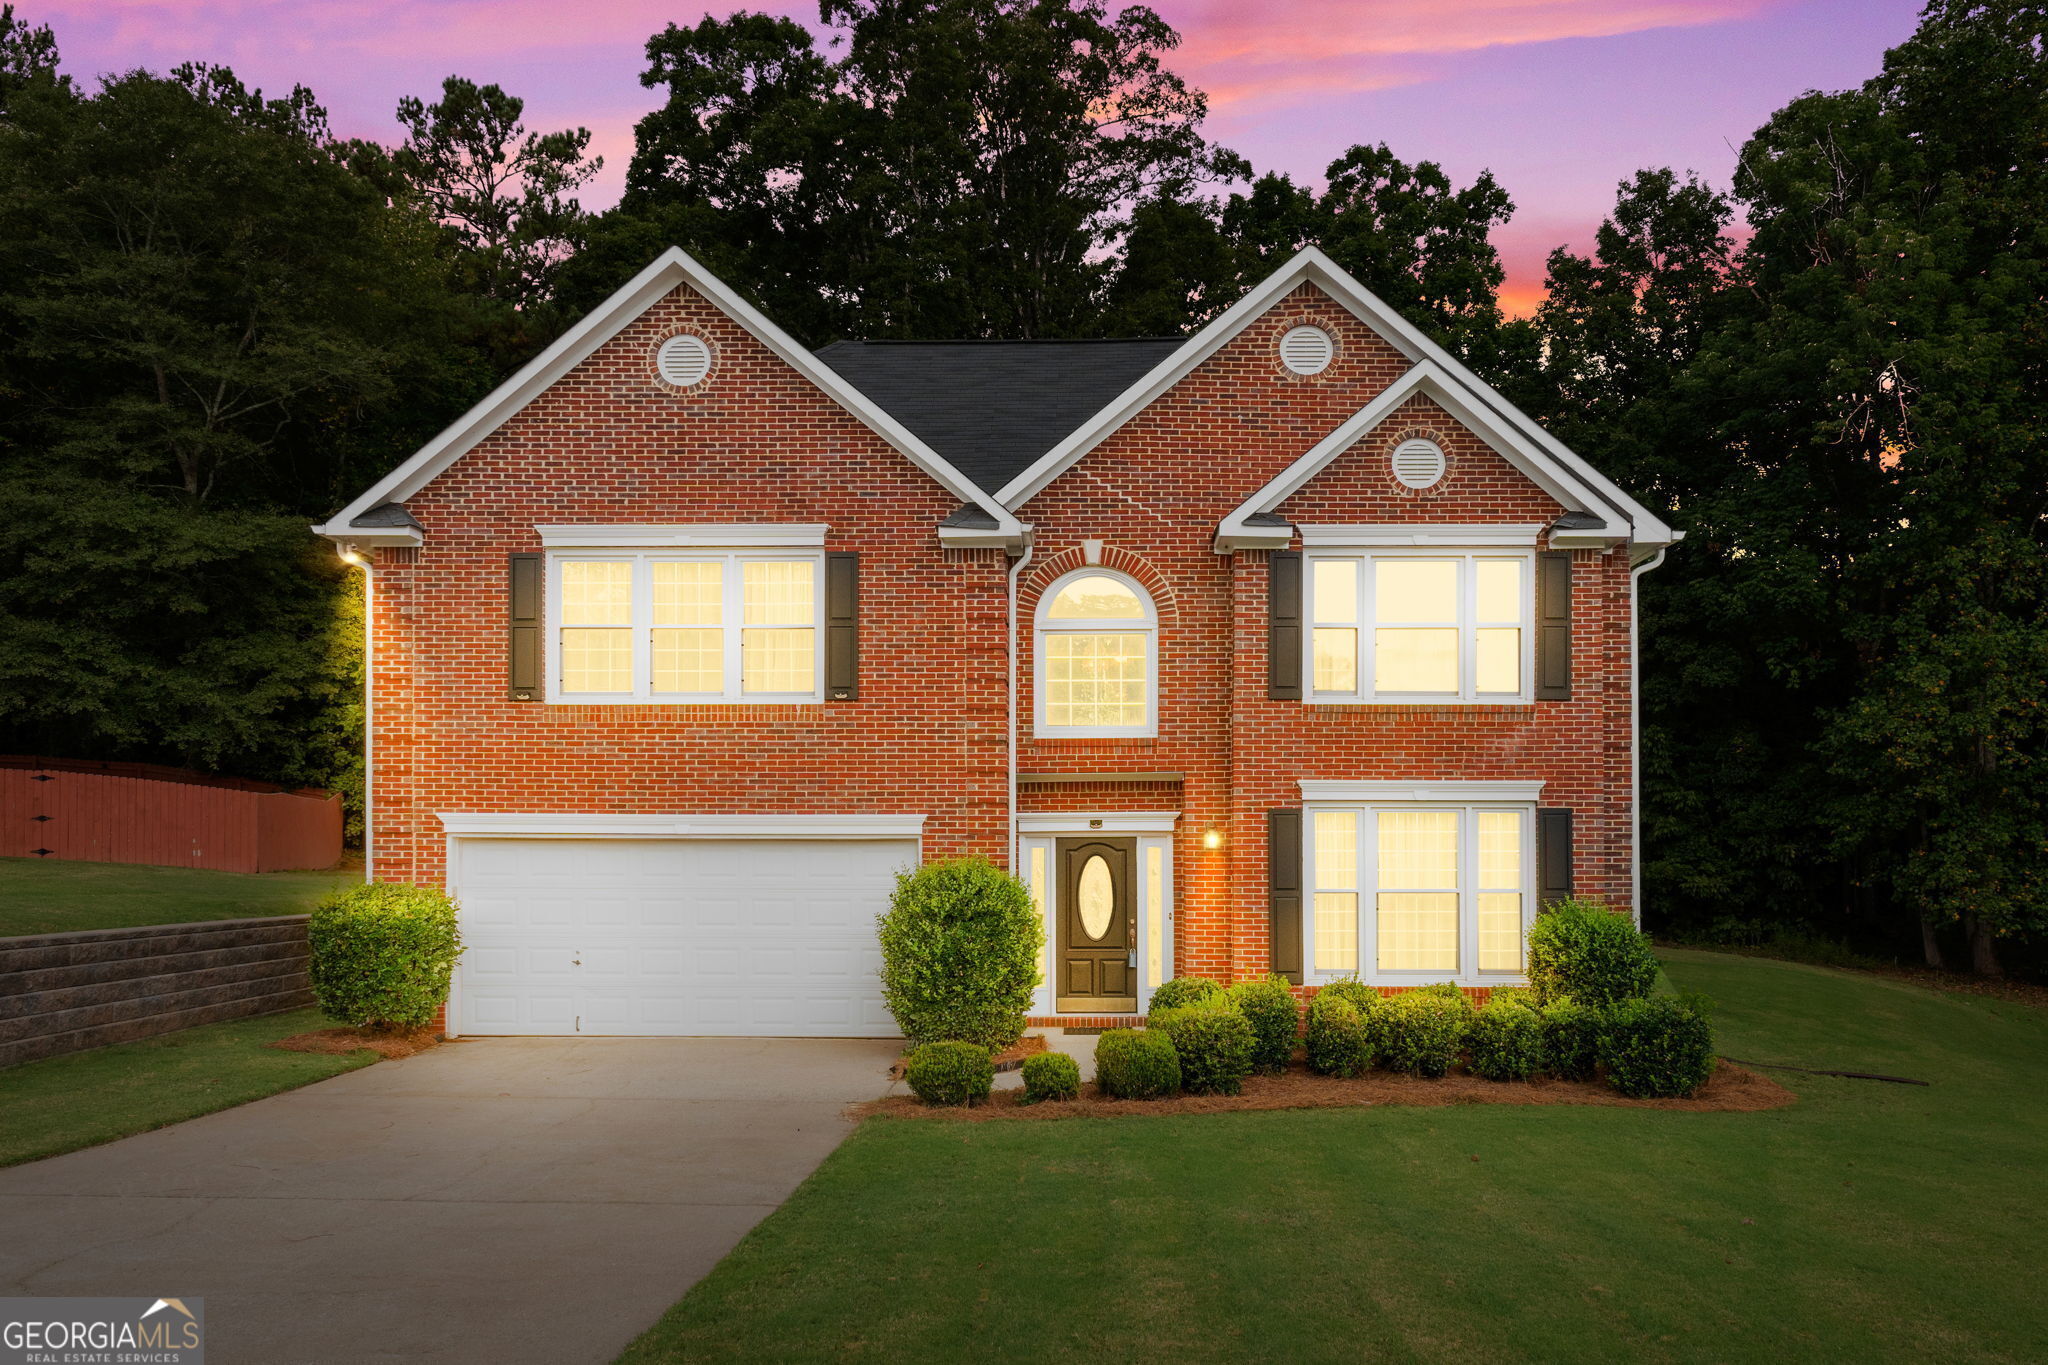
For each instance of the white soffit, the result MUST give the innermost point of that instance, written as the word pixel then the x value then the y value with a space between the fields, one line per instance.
pixel 579 826
pixel 664 274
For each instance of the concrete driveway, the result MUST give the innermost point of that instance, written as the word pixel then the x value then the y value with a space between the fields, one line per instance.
pixel 501 1199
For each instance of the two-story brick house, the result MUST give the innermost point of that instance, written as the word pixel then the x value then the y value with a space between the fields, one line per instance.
pixel 1285 645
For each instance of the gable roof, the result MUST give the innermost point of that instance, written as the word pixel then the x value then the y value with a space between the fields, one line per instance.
pixel 672 268
pixel 993 407
pixel 1623 517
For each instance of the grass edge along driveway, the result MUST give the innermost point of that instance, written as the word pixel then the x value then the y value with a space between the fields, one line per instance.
pixel 60 1104
pixel 1867 1223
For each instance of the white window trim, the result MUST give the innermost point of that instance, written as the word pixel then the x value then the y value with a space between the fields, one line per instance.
pixel 625 536
pixel 1467 625
pixel 1456 791
pixel 643 613
pixel 1521 535
pixel 1148 625
pixel 1154 831
pixel 1364 812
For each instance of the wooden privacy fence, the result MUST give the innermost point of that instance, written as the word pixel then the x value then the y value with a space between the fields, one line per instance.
pixel 67 992
pixel 139 813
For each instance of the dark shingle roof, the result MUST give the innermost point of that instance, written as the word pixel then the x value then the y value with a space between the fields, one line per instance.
pixel 386 514
pixel 992 407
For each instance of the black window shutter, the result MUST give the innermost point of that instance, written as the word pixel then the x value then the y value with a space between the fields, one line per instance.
pixel 522 597
pixel 1283 626
pixel 1553 855
pixel 1283 899
pixel 1554 625
pixel 842 627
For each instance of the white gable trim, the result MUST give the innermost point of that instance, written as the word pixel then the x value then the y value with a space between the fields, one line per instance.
pixel 1428 380
pixel 672 268
pixel 1311 266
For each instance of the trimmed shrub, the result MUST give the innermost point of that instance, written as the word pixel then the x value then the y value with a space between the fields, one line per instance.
pixel 1137 1064
pixel 382 954
pixel 1182 992
pixel 1343 1040
pixel 1214 1043
pixel 1571 1039
pixel 960 952
pixel 1659 1048
pixel 1505 1041
pixel 1525 996
pixel 951 1073
pixel 1425 1031
pixel 1366 998
pixel 1268 1006
pixel 1582 949
pixel 1051 1076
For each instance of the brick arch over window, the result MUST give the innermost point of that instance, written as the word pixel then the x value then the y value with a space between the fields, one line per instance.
pixel 1045 572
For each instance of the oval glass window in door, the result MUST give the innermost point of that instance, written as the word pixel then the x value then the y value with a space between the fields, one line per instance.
pixel 1095 895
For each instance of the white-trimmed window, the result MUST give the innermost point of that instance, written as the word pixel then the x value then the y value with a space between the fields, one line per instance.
pixel 1419 892
pixel 1097 657
pixel 1420 625
pixel 685 626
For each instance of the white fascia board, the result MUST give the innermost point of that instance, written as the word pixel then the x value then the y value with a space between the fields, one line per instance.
pixel 570 826
pixel 976 538
pixel 1313 790
pixel 1100 822
pixel 1520 535
pixel 673 267
pixel 638 537
pixel 341 532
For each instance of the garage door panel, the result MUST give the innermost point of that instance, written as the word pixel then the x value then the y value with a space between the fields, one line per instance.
pixel 683 937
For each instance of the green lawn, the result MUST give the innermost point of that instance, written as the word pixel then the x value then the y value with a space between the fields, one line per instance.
pixel 39 896
pixel 1869 1222
pixel 64 1103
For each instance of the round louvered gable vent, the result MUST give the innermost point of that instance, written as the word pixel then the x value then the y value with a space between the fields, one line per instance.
pixel 683 361
pixel 1307 350
pixel 1418 464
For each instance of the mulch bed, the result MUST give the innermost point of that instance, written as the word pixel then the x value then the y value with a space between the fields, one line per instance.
pixel 1009 1059
pixel 387 1044
pixel 1731 1089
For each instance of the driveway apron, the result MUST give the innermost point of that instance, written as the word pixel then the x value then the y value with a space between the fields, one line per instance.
pixel 498 1199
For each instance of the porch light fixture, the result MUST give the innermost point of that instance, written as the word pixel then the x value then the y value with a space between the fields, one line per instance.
pixel 1212 837
pixel 351 555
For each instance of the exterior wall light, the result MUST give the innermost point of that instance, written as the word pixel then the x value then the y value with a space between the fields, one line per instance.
pixel 1212 837
pixel 351 555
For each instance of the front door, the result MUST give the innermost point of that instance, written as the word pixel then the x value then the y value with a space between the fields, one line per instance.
pixel 1096 971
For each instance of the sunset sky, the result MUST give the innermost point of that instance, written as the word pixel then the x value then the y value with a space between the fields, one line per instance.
pixel 1559 98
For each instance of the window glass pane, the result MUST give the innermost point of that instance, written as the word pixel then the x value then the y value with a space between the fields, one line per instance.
pixel 1096 598
pixel 689 661
pixel 688 594
pixel 1336 590
pixel 1336 931
pixel 1415 661
pixel 1094 680
pixel 1498 658
pixel 1418 932
pixel 777 593
pixel 597 593
pixel 1415 590
pixel 1500 589
pixel 1419 849
pixel 597 660
pixel 777 661
pixel 1336 848
pixel 1500 931
pixel 1336 659
pixel 1155 914
pixel 1500 849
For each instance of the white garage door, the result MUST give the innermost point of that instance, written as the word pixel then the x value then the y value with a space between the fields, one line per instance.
pixel 688 937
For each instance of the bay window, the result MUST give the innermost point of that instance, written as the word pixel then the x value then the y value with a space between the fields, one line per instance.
pixel 1432 625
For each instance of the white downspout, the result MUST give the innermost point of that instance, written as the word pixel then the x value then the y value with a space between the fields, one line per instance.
pixel 351 555
pixel 1635 742
pixel 1016 574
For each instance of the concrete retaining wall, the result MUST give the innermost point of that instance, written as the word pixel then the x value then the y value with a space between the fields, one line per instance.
pixel 66 992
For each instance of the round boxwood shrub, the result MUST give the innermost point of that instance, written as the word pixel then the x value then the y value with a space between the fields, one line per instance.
pixel 1504 1041
pixel 1522 995
pixel 1268 1006
pixel 1051 1076
pixel 1342 1039
pixel 951 1073
pixel 1571 1039
pixel 1137 1064
pixel 1582 949
pixel 1659 1048
pixel 1425 1030
pixel 1214 1043
pixel 382 954
pixel 960 951
pixel 1183 991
